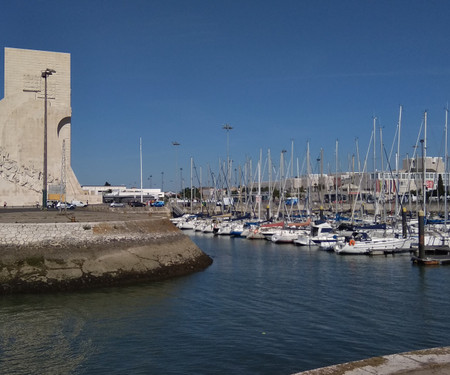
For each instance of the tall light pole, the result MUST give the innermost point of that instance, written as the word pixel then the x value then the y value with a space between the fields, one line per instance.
pixel 140 154
pixel 47 72
pixel 176 144
pixel 228 128
pixel 181 185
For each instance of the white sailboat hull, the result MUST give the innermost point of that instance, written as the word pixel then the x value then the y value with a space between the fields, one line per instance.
pixel 376 244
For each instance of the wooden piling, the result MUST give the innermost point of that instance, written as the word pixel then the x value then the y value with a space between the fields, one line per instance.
pixel 421 218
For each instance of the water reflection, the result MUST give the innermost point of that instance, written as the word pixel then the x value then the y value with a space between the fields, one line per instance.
pixel 40 338
pixel 54 333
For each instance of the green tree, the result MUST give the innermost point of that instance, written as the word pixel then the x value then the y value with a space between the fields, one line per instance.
pixel 187 193
pixel 276 193
pixel 440 187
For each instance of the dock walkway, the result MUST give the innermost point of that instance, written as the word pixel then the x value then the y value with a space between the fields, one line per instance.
pixel 434 361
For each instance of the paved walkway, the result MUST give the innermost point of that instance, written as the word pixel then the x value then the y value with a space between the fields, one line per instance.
pixel 424 362
pixel 80 214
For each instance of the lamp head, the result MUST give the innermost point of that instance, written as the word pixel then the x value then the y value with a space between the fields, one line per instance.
pixel 47 72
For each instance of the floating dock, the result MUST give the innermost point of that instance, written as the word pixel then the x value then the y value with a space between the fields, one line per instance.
pixel 432 260
pixel 433 256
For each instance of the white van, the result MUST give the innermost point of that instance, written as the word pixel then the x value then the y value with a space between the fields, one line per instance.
pixel 78 203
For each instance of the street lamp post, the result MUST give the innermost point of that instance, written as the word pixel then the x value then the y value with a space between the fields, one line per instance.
pixel 176 144
pixel 181 186
pixel 47 72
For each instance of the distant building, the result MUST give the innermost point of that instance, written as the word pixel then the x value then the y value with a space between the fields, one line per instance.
pixel 122 193
pixel 410 178
pixel 101 189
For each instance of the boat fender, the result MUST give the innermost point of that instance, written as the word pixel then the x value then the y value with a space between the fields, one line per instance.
pixel 351 242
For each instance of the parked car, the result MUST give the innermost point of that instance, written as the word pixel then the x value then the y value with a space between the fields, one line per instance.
pixel 78 203
pixel 158 204
pixel 116 204
pixel 137 204
pixel 65 206
pixel 291 201
pixel 51 204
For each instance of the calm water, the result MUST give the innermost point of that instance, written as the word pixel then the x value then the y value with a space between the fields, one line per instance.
pixel 259 309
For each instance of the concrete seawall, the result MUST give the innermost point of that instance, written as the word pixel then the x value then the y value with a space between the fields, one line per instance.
pixel 39 257
pixel 435 361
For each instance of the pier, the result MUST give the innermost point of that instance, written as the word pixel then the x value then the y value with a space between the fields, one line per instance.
pixel 431 256
pixel 49 251
pixel 424 362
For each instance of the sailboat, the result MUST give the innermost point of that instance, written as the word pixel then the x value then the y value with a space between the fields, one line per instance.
pixel 362 243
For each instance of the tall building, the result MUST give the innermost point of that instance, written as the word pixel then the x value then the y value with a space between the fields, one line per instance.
pixel 22 128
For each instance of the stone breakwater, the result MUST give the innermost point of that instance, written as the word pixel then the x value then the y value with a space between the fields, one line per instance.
pixel 40 257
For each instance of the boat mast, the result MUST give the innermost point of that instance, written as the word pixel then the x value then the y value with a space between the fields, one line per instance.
pixel 227 127
pixel 361 180
pixel 258 198
pixel 357 155
pixel 240 188
pixel 250 184
pixel 192 186
pixel 308 180
pixel 382 176
pixel 281 169
pixel 321 183
pixel 201 189
pixel 398 163
pixel 298 187
pixel 374 165
pixel 336 178
pixel 445 171
pixel 292 159
pixel 360 176
pixel 424 166
pixel 270 183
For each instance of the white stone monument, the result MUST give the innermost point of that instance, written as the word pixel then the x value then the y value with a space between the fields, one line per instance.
pixel 22 129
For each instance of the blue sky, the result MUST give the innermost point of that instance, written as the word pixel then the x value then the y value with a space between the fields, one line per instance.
pixel 312 71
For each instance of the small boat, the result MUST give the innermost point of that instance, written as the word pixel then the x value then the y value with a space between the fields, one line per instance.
pixel 268 230
pixel 224 229
pixel 285 236
pixel 188 223
pixel 255 234
pixel 362 243
pixel 321 231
